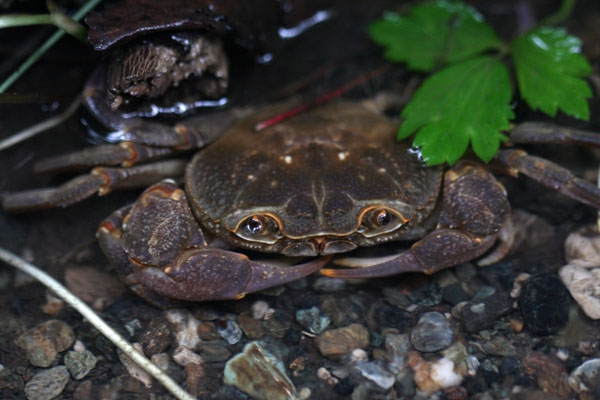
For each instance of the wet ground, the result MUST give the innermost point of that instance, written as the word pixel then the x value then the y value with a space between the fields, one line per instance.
pixel 516 348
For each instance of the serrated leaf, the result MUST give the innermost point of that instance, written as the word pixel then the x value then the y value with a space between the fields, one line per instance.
pixel 550 69
pixel 434 33
pixel 466 102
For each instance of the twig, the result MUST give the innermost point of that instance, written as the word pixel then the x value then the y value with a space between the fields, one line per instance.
pixel 97 322
pixel 40 127
pixel 45 46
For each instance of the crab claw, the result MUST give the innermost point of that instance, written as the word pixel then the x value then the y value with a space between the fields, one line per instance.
pixel 214 274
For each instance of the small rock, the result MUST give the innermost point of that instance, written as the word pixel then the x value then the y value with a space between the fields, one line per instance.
pixel 279 324
pixel 47 383
pixel 259 373
pixel 183 356
pixel 261 310
pixel 329 285
pixel 582 247
pixel 324 375
pixel 252 327
pixel 549 373
pixel 80 363
pixel 53 304
pixel 340 310
pixel 586 377
pixel 157 337
pixel 376 373
pixel 134 370
pixel 397 347
pixel 185 327
pixel 431 376
pixel 97 288
pixel 481 314
pixel 313 320
pixel 229 330
pixel 544 304
pixel 162 361
pixel 337 342
pixel 213 352
pixel 432 333
pixel 43 342
pixel 193 378
pixel 208 331
pixel 499 346
pixel 584 286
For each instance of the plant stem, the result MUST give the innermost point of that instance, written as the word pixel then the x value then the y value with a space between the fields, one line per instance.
pixel 559 16
pixel 45 46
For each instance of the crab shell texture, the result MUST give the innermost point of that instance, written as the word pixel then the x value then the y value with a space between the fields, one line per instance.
pixel 315 182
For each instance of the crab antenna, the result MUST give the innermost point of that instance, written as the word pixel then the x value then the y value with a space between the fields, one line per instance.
pixel 324 98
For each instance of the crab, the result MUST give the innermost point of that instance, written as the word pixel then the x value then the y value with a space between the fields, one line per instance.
pixel 324 182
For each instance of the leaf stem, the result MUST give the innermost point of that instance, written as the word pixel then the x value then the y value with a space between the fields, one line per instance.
pixel 559 16
pixel 45 46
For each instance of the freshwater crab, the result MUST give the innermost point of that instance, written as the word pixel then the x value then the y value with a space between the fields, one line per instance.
pixel 324 182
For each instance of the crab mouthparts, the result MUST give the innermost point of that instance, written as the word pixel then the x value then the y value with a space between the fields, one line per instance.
pixel 318 246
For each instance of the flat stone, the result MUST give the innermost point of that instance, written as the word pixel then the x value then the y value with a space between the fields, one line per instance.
pixel 477 315
pixel 47 383
pixel 337 342
pixel 549 373
pixel 213 352
pixel 80 363
pixel 185 327
pixel 157 337
pixel 43 342
pixel 96 288
pixel 432 333
pixel 252 327
pixel 259 373
pixel 586 377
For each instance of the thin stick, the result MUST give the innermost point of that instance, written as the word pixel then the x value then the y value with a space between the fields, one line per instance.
pixel 97 322
pixel 45 46
pixel 323 99
pixel 40 127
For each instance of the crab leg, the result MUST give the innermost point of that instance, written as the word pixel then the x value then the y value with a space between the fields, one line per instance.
pixel 474 208
pixel 101 180
pixel 159 248
pixel 539 132
pixel 551 175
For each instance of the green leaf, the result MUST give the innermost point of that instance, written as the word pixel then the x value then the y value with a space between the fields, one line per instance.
pixel 432 34
pixel 468 101
pixel 550 69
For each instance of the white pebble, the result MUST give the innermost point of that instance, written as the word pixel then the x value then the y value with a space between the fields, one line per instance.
pixel 442 372
pixel 184 356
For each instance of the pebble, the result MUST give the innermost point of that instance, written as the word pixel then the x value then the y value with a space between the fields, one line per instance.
pixel 313 320
pixel 549 373
pixel 251 327
pixel 193 378
pixel 261 310
pixel 499 346
pixel 544 304
pixel 134 370
pixel 97 288
pixel 229 330
pixel 208 331
pixel 162 361
pixel 586 377
pixel 47 383
pixel 80 363
pixel 213 352
pixel 432 333
pixel 157 337
pixel 481 314
pixel 183 356
pixel 324 375
pixel 43 342
pixel 397 347
pixel 584 286
pixel 259 373
pixel 341 309
pixel 337 342
pixel 329 285
pixel 279 324
pixel 376 373
pixel 431 376
pixel 185 327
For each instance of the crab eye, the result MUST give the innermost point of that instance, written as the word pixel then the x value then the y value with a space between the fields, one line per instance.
pixel 259 228
pixel 377 221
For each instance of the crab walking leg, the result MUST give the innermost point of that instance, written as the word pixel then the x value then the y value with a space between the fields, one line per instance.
pixel 540 132
pixel 125 154
pixel 474 209
pixel 159 248
pixel 101 181
pixel 551 175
